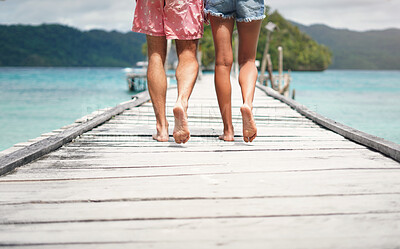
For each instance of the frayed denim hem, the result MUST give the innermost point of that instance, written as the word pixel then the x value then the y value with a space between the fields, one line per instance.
pixel 212 13
pixel 250 19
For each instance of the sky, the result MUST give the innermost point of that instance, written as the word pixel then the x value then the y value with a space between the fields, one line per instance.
pixel 360 15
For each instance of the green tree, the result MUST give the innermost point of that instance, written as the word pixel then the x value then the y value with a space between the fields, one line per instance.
pixel 300 52
pixel 58 45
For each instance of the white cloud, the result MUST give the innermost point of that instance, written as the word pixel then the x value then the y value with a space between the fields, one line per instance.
pixel 353 14
pixel 87 14
pixel 118 15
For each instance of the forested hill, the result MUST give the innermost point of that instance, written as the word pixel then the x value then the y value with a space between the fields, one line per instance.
pixel 300 51
pixel 358 50
pixel 58 45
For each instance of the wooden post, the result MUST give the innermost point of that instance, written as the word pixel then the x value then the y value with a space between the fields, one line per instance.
pixel 265 58
pixel 285 89
pixel 270 73
pixel 270 27
pixel 280 67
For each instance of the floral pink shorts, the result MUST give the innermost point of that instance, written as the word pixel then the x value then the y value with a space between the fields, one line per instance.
pixel 175 19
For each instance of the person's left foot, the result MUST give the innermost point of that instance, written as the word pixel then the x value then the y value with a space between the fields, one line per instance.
pixel 162 132
pixel 228 135
pixel 181 130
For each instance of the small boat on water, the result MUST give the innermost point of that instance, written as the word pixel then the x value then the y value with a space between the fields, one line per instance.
pixel 137 77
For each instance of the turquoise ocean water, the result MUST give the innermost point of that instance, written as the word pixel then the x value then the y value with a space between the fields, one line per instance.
pixel 37 100
pixel 366 100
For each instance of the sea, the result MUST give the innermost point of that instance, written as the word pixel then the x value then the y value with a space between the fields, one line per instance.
pixel 34 101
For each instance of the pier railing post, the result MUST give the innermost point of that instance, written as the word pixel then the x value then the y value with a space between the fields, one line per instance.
pixel 270 72
pixel 270 28
pixel 265 58
pixel 280 68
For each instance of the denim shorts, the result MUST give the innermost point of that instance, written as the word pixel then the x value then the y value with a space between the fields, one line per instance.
pixel 242 10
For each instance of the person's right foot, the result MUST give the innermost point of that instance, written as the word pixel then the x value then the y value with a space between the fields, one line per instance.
pixel 181 129
pixel 249 126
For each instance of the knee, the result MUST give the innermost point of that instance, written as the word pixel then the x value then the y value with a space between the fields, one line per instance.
pixel 224 62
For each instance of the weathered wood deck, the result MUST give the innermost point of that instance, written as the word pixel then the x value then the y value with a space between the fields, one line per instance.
pixel 298 185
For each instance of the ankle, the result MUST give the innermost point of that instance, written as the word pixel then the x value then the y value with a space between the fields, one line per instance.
pixel 182 103
pixel 162 125
pixel 247 104
pixel 228 129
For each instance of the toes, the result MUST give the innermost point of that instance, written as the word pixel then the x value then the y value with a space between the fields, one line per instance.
pixel 181 138
pixel 253 137
pixel 177 139
pixel 186 139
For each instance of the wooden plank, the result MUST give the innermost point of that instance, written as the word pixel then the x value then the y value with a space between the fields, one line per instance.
pixel 197 209
pixel 212 185
pixel 356 231
pixel 66 168
pixel 197 139
pixel 204 130
pixel 124 154
pixel 86 170
pixel 210 147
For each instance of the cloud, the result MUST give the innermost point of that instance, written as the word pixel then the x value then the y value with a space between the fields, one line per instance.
pixel 353 14
pixel 87 14
pixel 118 15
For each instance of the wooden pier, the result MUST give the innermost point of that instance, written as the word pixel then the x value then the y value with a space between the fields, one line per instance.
pixel 298 185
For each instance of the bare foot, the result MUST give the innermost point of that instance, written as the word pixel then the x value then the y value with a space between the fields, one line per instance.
pixel 249 126
pixel 181 130
pixel 162 134
pixel 227 136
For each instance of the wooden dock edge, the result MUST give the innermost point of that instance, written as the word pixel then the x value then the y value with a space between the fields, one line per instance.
pixel 36 150
pixel 387 148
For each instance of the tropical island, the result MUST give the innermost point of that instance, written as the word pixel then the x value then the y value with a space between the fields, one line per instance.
pixel 305 48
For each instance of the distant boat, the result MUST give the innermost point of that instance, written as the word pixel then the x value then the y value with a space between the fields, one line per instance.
pixel 142 64
pixel 128 70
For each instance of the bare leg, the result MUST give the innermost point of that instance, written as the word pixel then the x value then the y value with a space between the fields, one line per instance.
pixel 222 32
pixel 157 83
pixel 248 39
pixel 186 74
